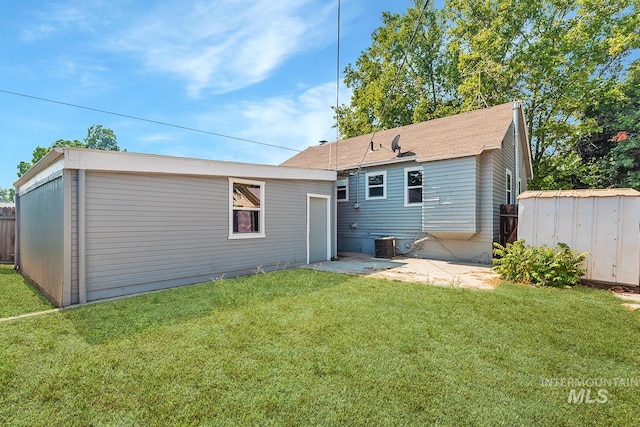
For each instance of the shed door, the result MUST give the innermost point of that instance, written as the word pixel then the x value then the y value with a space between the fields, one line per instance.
pixel 318 228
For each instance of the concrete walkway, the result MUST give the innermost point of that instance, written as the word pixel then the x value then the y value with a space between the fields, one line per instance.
pixel 440 273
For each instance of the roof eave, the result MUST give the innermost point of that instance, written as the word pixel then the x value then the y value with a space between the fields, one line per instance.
pixel 50 158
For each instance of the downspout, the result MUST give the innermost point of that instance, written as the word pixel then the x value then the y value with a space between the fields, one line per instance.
pixel 82 238
pixel 516 124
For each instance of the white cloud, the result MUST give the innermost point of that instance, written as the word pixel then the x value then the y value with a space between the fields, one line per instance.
pixel 223 45
pixel 296 121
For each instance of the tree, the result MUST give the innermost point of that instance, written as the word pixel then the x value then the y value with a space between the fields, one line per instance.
pixel 98 138
pixel 613 150
pixel 6 195
pixel 557 57
pixel 424 88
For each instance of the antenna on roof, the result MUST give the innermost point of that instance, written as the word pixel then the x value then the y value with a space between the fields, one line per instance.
pixel 395 146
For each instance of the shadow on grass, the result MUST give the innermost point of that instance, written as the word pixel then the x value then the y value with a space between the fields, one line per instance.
pixel 18 295
pixel 110 320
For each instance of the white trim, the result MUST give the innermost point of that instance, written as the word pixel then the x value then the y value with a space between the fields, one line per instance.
pixel 384 185
pixel 328 199
pixel 346 189
pixel 118 161
pixel 382 163
pixel 508 178
pixel 261 215
pixel 406 186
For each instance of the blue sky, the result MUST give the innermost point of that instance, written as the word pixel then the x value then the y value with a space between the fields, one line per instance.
pixel 263 70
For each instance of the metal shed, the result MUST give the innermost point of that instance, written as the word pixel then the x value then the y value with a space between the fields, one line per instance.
pixel 605 223
pixel 97 224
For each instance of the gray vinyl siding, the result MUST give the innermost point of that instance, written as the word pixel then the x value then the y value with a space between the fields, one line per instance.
pixel 450 199
pixel 464 246
pixel 504 159
pixel 74 237
pixel 150 232
pixel 41 219
pixel 358 228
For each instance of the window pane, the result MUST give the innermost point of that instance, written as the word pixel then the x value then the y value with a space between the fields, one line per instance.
pixel 376 180
pixel 414 178
pixel 415 195
pixel 246 195
pixel 246 221
pixel 376 192
pixel 342 193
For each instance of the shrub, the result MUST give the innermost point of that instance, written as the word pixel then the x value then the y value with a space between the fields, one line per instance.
pixel 542 266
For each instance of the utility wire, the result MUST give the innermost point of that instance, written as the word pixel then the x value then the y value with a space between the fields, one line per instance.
pixel 142 119
pixel 337 87
pixel 395 79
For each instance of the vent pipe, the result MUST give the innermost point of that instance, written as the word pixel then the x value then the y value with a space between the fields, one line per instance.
pixel 516 135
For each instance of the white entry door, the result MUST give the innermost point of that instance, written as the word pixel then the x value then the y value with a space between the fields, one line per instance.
pixel 318 228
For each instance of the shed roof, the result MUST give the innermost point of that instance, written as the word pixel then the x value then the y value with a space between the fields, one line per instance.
pixel 462 135
pixel 118 161
pixel 583 193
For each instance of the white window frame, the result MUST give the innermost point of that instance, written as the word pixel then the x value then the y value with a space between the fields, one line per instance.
pixel 346 189
pixel 261 215
pixel 384 185
pixel 407 188
pixel 508 185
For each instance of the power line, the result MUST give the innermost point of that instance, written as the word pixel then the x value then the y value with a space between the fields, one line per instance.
pixel 395 79
pixel 142 119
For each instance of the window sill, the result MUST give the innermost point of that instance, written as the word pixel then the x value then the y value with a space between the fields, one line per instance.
pixel 246 236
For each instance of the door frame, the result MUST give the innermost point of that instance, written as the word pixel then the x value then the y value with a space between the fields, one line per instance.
pixel 328 205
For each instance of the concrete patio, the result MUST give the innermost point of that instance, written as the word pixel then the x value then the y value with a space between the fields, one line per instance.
pixel 439 273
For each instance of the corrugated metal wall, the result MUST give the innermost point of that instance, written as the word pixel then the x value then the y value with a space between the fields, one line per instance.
pixel 151 232
pixel 41 217
pixel 606 227
pixel 377 218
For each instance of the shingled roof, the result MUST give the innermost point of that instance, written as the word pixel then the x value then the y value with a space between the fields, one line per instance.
pixel 466 134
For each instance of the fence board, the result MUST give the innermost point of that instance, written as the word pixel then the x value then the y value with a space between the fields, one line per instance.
pixel 7 234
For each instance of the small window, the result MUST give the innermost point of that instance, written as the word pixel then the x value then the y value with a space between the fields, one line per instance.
pixel 509 188
pixel 376 185
pixel 246 209
pixel 343 189
pixel 413 186
pixel 519 186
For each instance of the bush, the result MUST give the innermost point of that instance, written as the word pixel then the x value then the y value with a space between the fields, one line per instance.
pixel 541 266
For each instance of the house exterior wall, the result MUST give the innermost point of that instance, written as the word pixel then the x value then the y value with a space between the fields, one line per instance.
pixel 358 228
pixel 464 174
pixel 450 197
pixel 41 235
pixel 456 211
pixel 147 232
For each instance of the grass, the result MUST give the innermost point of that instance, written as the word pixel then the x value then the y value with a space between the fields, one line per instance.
pixel 306 347
pixel 17 296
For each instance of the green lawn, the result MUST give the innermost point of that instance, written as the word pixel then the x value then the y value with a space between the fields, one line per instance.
pixel 17 296
pixel 304 347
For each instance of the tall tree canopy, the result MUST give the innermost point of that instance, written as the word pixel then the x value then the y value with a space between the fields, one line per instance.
pixel 559 58
pixel 98 138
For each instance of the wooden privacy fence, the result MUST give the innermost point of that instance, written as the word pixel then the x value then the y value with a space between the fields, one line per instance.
pixel 508 224
pixel 7 234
